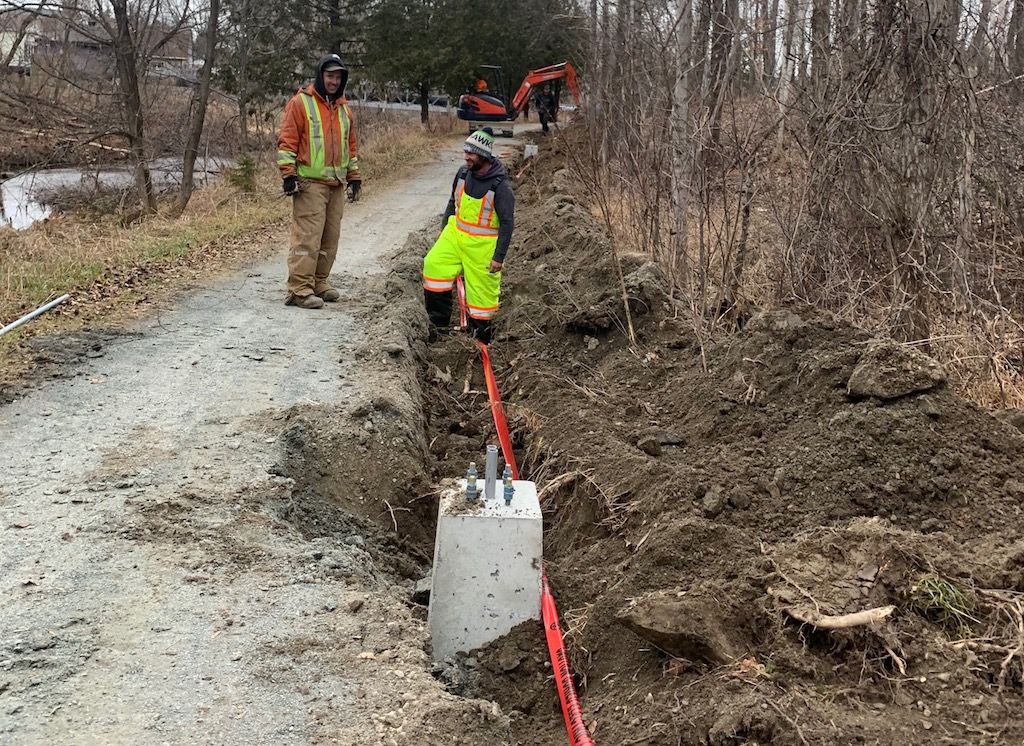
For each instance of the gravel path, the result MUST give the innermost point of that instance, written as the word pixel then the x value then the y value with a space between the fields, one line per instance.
pixel 151 589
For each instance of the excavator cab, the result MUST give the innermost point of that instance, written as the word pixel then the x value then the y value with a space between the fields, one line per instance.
pixel 487 98
pixel 488 102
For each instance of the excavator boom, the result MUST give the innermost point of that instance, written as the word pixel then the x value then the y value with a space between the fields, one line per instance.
pixel 543 75
pixel 483 107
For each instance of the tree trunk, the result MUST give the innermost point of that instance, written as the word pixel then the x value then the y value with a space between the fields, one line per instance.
pixel 243 116
pixel 785 93
pixel 605 82
pixel 848 37
pixel 619 127
pixel 769 39
pixel 803 57
pixel 682 147
pixel 929 43
pixel 593 99
pixel 128 77
pixel 980 40
pixel 243 52
pixel 200 100
pixel 966 203
pixel 699 45
pixel 1014 42
pixel 760 10
pixel 424 91
pixel 739 264
pixel 724 61
pixel 820 47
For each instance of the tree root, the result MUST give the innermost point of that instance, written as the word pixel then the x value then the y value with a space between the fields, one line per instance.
pixel 866 618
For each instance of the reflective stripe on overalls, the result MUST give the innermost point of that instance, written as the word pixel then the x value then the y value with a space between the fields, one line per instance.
pixel 475 217
pixel 318 168
pixel 467 245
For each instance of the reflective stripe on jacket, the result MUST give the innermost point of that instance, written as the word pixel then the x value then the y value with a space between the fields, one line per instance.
pixel 475 217
pixel 317 139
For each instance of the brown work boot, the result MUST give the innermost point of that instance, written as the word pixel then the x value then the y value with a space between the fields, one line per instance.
pixel 304 301
pixel 330 295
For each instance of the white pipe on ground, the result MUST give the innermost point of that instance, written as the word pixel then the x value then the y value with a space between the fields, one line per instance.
pixel 29 316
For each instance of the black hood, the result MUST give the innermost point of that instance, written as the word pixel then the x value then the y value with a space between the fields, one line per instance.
pixel 318 83
pixel 492 174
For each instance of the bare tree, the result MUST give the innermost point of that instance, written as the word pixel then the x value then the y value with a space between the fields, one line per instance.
pixel 980 39
pixel 126 56
pixel 200 100
pixel 133 31
pixel 821 46
pixel 858 156
pixel 1015 38
pixel 784 93
pixel 929 46
pixel 682 143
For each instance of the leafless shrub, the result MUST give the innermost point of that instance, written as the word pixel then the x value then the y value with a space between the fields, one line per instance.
pixel 862 157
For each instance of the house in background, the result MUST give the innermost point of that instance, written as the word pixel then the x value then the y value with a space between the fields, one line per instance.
pixel 18 32
pixel 73 49
pixel 171 53
pixel 80 47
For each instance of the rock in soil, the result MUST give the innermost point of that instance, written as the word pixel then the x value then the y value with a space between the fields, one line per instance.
pixel 888 371
pixel 683 625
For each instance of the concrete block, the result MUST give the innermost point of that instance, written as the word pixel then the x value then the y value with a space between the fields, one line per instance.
pixel 487 565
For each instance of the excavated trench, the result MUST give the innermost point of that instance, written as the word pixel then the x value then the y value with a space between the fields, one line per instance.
pixel 701 501
pixel 371 469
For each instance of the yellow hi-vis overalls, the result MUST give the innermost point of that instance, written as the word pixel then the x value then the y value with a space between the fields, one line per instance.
pixel 467 245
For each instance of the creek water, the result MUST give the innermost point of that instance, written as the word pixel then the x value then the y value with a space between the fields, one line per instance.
pixel 20 196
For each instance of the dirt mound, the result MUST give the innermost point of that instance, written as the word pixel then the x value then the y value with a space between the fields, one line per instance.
pixel 716 510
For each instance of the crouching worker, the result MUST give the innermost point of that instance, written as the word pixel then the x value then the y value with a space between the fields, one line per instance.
pixel 475 235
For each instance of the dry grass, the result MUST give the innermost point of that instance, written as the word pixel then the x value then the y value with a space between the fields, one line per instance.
pixel 65 254
pixel 103 261
pixel 390 141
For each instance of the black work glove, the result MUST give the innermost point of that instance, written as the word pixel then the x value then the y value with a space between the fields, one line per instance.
pixel 290 185
pixel 354 187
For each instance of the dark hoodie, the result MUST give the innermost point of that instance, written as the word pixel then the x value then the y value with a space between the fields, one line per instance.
pixel 318 83
pixel 494 178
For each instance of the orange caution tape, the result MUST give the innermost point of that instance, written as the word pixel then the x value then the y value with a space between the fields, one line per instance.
pixel 572 711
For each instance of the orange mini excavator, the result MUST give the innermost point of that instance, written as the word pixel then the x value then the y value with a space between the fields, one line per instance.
pixel 491 106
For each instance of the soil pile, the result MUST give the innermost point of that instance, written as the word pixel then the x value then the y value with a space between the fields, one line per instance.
pixel 792 534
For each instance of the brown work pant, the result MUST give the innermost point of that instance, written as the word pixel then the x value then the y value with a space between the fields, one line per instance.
pixel 316 228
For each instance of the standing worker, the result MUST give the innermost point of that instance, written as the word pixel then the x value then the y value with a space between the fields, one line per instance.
pixel 547 107
pixel 316 152
pixel 475 234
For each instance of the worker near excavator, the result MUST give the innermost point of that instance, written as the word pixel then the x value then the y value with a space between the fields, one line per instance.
pixel 547 107
pixel 316 153
pixel 475 236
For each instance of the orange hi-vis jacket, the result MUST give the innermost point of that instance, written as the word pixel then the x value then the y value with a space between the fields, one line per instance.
pixel 318 139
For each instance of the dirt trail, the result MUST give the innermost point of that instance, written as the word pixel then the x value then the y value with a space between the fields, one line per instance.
pixel 168 574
